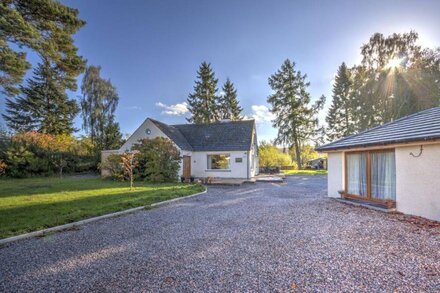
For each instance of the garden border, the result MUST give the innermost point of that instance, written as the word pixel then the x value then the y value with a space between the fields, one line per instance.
pixel 68 226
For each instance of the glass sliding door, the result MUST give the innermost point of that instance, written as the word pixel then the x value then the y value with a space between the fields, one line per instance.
pixel 383 175
pixel 371 176
pixel 357 174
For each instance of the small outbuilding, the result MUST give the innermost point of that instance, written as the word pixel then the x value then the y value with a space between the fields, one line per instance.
pixel 226 149
pixel 395 165
pixel 317 164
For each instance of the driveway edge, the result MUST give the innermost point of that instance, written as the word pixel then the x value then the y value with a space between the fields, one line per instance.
pixel 160 203
pixel 90 220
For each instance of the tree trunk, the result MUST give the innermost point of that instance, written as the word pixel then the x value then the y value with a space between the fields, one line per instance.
pixel 298 154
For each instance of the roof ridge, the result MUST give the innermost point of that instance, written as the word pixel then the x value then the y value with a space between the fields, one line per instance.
pixel 378 126
pixel 216 122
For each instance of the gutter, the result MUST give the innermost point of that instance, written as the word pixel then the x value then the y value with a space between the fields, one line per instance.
pixel 405 142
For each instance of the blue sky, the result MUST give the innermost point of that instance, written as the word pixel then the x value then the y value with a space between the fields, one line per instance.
pixel 151 50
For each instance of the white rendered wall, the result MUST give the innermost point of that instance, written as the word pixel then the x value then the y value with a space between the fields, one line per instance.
pixel 418 181
pixel 199 161
pixel 199 165
pixel 335 177
pixel 140 133
pixel 253 158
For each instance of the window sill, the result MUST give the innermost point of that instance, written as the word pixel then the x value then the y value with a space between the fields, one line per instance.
pixel 218 170
pixel 388 203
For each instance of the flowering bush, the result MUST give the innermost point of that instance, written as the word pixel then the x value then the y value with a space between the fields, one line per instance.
pixel 34 153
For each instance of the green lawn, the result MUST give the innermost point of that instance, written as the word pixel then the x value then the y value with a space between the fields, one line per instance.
pixel 305 172
pixel 36 203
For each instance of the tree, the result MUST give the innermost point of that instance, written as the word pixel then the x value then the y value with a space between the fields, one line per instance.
pixel 128 163
pixel 158 160
pixel 340 117
pixel 307 153
pixel 98 103
pixel 45 27
pixel 295 119
pixel 271 156
pixel 203 102
pixel 396 78
pixel 43 105
pixel 228 103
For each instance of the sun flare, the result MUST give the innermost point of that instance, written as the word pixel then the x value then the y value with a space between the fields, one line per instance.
pixel 394 63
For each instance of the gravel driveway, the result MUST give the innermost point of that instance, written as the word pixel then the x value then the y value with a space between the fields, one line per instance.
pixel 258 237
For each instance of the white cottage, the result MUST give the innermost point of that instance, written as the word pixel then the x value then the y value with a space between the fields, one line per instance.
pixel 395 165
pixel 226 149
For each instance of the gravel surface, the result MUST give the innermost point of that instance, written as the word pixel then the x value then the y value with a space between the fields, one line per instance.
pixel 259 237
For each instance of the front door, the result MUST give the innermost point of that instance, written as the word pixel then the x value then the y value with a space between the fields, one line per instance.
pixel 186 166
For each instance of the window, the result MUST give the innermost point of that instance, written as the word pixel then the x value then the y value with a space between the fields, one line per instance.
pixel 357 174
pixel 218 162
pixel 383 175
pixel 371 175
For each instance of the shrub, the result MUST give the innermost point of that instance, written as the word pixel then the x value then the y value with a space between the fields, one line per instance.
pixel 307 153
pixel 271 156
pixel 158 160
pixel 292 166
pixel 2 167
pixel 113 164
pixel 34 153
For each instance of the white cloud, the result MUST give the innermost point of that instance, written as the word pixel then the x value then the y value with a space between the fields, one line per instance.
pixel 178 109
pixel 261 113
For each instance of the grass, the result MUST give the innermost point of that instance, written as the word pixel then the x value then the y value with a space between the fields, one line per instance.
pixel 305 172
pixel 36 203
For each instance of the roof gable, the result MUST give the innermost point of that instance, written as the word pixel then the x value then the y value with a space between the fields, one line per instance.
pixel 420 126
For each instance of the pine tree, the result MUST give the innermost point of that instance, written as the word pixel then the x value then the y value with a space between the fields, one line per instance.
pixel 45 27
pixel 340 118
pixel 295 119
pixel 203 102
pixel 43 105
pixel 98 104
pixel 228 103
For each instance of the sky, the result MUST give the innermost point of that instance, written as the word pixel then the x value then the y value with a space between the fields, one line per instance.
pixel 151 50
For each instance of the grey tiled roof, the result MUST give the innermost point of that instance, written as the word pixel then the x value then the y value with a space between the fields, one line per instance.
pixel 421 126
pixel 219 136
pixel 174 134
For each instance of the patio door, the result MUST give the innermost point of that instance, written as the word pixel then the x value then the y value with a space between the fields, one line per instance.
pixel 371 175
pixel 186 166
pixel 383 176
pixel 356 174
